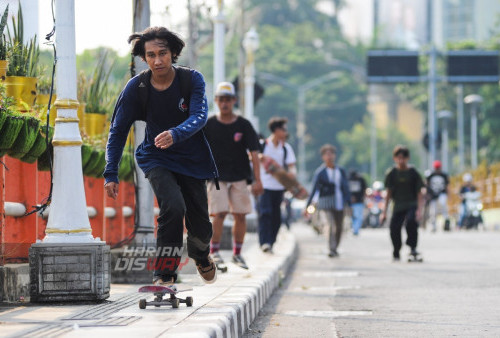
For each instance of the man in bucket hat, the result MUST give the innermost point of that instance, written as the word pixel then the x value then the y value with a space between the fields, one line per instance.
pixel 232 138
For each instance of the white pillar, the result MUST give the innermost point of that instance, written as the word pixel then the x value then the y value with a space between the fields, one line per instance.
pixel 219 32
pixel 251 44
pixel 301 133
pixel 249 89
pixel 30 19
pixel 474 101
pixel 460 127
pixel 444 116
pixel 473 137
pixel 145 197
pixel 68 220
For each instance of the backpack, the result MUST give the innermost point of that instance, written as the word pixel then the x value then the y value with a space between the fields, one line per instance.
pixel 263 144
pixel 145 85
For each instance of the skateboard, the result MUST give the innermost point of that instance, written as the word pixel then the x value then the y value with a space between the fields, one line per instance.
pixel 222 267
pixel 160 292
pixel 286 179
pixel 415 258
pixel 219 263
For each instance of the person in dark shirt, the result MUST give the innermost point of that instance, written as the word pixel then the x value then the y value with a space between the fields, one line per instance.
pixel 232 137
pixel 404 184
pixel 357 187
pixel 174 156
pixel 437 195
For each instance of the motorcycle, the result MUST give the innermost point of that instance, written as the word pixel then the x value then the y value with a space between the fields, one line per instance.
pixel 472 210
pixel 374 206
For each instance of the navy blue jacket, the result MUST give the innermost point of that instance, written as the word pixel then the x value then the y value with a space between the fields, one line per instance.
pixel 323 185
pixel 190 154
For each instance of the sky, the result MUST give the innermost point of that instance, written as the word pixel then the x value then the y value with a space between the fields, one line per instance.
pixel 108 22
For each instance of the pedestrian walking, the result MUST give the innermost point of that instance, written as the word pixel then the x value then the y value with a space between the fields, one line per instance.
pixel 403 184
pixel 232 138
pixel 332 186
pixel 174 156
pixel 357 188
pixel 269 203
pixel 437 195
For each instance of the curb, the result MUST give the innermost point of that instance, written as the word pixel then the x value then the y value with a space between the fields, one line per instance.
pixel 231 313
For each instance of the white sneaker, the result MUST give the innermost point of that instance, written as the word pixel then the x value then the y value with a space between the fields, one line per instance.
pixel 266 247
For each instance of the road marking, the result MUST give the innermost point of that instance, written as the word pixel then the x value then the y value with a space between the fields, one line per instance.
pixel 327 314
pixel 331 274
pixel 326 289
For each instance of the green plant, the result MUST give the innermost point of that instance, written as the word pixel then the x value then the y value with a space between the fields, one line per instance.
pixel 86 153
pixel 7 105
pixel 95 91
pixel 25 138
pixel 23 58
pixel 10 131
pixel 3 41
pixel 39 146
pixel 126 168
pixel 44 82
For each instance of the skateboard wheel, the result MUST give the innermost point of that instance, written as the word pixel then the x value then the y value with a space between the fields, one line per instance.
pixel 142 304
pixel 175 303
pixel 189 301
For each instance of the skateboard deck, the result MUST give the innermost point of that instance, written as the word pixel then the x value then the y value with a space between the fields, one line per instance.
pixel 222 267
pixel 219 263
pixel 286 179
pixel 415 259
pixel 160 291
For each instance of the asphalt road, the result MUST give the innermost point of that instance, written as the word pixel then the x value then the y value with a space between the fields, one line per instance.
pixel 455 292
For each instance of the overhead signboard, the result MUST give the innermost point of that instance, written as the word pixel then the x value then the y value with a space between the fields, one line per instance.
pixel 473 66
pixel 392 66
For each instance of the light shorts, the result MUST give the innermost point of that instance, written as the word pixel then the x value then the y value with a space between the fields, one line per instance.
pixel 233 197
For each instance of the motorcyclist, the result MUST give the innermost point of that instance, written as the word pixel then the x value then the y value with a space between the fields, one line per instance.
pixel 467 186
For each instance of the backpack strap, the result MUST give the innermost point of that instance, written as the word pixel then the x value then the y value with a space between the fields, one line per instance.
pixel 143 88
pixel 185 82
pixel 263 146
pixel 145 84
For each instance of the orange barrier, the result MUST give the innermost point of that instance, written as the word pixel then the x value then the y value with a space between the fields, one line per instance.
pixel 43 194
pixel 18 233
pixel 22 183
pixel 126 195
pixel 94 194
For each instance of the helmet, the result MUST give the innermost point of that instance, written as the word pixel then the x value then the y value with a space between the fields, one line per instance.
pixel 378 186
pixel 467 177
pixel 436 164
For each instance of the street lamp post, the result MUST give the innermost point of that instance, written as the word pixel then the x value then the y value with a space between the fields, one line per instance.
pixel 460 127
pixel 372 99
pixel 219 28
pixel 444 116
pixel 475 101
pixel 250 44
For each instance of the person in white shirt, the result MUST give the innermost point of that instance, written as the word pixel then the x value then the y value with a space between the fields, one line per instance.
pixel 269 203
pixel 332 186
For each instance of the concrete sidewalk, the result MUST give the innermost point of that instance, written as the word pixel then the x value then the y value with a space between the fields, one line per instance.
pixel 223 309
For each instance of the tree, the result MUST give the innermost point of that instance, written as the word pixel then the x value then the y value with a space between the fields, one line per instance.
pixel 356 147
